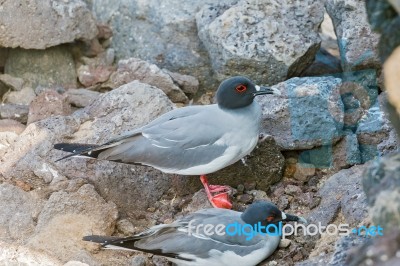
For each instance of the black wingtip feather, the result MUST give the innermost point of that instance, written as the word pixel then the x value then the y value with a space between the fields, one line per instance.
pixel 104 240
pixel 76 149
pixel 129 243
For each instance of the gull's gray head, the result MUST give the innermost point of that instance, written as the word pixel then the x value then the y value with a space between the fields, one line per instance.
pixel 266 212
pixel 239 91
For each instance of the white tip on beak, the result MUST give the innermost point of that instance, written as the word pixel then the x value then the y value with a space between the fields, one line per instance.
pixel 304 221
pixel 276 91
pixel 283 216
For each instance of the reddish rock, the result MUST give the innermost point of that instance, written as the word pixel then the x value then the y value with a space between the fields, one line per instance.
pixel 48 103
pixel 105 32
pixel 10 125
pixel 136 69
pixel 92 75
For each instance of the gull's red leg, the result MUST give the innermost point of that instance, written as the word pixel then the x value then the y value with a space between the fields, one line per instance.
pixel 220 200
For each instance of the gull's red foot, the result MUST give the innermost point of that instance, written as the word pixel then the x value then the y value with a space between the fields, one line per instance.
pixel 218 188
pixel 220 200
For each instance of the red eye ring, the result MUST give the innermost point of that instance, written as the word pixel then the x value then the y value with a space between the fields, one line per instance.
pixel 241 88
pixel 270 218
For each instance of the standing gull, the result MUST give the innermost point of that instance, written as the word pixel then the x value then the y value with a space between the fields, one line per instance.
pixel 193 140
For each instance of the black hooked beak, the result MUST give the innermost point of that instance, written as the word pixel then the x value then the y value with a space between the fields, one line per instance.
pixel 260 90
pixel 294 218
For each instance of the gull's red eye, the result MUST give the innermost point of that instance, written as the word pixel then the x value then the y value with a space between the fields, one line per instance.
pixel 270 218
pixel 241 88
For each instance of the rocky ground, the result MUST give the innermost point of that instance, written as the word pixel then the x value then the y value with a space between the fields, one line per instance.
pixel 85 71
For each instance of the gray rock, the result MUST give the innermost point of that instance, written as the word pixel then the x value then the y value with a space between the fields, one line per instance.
pixel 324 64
pixel 263 167
pixel 3 57
pixel 346 247
pixel 85 213
pixel 284 119
pixel 357 42
pixel 18 213
pixel 160 261
pixel 86 257
pixel 75 263
pixel 188 84
pixel 57 22
pixel 235 37
pixel 381 184
pixel 132 188
pixel 374 130
pixel 374 125
pixel 23 97
pixel 168 25
pixel 14 111
pixel 385 210
pixel 390 144
pixel 81 97
pixel 380 251
pixel 49 68
pixel 342 192
pixel 11 82
pixel 199 201
pixel 383 17
pixel 359 91
pixel 29 153
pixel 139 260
pixel 322 259
pixel 136 69
pixel 125 227
pixel 6 140
pixel 13 254
pixel 346 152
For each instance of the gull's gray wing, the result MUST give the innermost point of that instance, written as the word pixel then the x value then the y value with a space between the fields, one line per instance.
pixel 175 241
pixel 180 139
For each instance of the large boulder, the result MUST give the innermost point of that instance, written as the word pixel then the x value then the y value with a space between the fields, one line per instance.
pixel 284 116
pixel 384 18
pixel 40 24
pixel 132 188
pixel 342 192
pixel 168 25
pixel 267 40
pixel 357 42
pixel 52 67
pixel 381 182
pixel 374 130
pixel 264 167
pixel 19 212
pixel 137 69
pixel 68 216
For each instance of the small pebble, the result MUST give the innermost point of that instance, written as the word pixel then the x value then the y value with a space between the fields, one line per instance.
pixel 240 189
pixel 245 198
pixel 139 260
pixel 250 186
pixel 285 243
pixel 125 227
